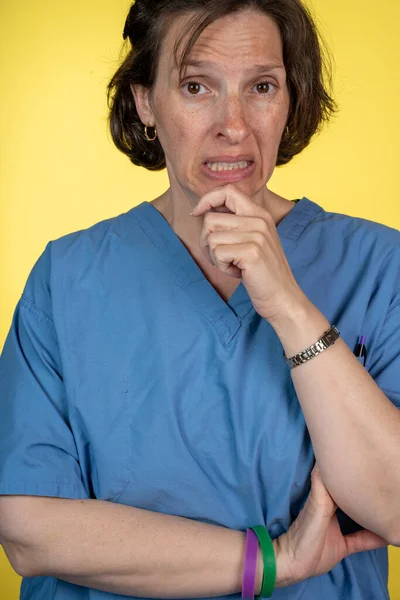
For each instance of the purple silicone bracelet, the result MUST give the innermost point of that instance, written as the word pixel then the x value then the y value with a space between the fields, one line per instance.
pixel 250 565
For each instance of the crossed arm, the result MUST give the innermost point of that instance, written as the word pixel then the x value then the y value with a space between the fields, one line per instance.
pixel 354 427
pixel 121 549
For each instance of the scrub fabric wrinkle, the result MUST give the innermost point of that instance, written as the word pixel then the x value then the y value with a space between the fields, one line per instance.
pixel 126 377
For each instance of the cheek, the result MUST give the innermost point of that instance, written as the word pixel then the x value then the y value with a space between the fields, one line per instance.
pixel 277 118
pixel 269 134
pixel 179 138
pixel 182 134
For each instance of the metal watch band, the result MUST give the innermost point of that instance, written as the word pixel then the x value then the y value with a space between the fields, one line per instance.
pixel 327 339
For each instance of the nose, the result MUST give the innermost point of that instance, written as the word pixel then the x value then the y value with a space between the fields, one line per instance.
pixel 233 122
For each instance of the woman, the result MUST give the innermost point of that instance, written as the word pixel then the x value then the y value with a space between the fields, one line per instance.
pixel 158 392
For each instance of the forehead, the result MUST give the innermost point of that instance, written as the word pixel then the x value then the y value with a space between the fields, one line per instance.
pixel 235 40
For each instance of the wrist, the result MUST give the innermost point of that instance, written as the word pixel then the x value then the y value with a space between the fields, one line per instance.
pixel 301 328
pixel 284 575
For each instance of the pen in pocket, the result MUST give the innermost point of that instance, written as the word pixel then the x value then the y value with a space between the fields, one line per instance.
pixel 361 351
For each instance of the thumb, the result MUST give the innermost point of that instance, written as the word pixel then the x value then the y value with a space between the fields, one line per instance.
pixel 360 541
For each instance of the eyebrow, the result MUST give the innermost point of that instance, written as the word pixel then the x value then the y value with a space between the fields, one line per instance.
pixel 208 64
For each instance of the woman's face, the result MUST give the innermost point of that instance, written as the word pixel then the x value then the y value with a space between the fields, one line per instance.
pixel 231 107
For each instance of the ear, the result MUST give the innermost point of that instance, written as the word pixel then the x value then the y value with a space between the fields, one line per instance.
pixel 142 101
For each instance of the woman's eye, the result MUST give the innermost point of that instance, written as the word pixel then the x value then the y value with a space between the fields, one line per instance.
pixel 265 86
pixel 192 87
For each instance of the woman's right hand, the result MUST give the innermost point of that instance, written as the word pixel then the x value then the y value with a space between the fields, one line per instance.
pixel 314 543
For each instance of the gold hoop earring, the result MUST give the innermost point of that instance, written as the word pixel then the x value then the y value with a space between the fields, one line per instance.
pixel 146 134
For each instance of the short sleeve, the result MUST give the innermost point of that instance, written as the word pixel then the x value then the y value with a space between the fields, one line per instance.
pixel 385 359
pixel 38 454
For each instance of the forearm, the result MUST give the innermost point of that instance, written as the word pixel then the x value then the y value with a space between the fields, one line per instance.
pixel 354 428
pixel 135 552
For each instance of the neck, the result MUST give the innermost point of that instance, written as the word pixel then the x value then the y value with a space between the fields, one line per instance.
pixel 175 209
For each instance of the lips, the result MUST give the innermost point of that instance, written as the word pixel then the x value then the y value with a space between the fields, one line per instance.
pixel 230 175
pixel 230 159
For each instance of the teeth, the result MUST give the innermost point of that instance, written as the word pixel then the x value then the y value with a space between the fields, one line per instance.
pixel 221 166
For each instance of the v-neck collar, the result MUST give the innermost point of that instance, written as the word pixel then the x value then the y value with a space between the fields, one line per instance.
pixel 226 317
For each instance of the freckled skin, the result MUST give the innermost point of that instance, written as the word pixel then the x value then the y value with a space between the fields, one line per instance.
pixel 227 114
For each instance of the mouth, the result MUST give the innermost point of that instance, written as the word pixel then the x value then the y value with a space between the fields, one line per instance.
pixel 228 171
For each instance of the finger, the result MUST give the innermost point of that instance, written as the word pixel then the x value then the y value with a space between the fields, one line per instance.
pixel 233 258
pixel 221 209
pixel 316 468
pixel 215 239
pixel 319 498
pixel 217 222
pixel 360 541
pixel 319 485
pixel 229 196
pixel 214 222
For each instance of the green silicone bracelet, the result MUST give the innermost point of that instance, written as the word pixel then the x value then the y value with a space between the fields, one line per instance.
pixel 267 549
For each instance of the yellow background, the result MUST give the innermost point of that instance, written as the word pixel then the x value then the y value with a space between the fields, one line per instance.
pixel 59 171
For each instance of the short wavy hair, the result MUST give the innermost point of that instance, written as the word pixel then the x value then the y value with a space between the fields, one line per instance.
pixel 307 61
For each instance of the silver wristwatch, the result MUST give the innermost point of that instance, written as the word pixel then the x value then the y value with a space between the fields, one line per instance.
pixel 327 339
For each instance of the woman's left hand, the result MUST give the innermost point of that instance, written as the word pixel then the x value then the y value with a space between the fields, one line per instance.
pixel 314 544
pixel 245 244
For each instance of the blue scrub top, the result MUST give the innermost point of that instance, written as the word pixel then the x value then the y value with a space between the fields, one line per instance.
pixel 126 377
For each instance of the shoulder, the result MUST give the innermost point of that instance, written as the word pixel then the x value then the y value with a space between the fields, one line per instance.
pixel 90 240
pixel 358 250
pixel 66 257
pixel 355 233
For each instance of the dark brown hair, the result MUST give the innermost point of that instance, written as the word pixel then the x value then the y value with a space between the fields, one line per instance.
pixel 308 69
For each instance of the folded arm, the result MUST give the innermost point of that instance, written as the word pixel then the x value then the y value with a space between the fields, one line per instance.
pixel 121 549
pixel 354 427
